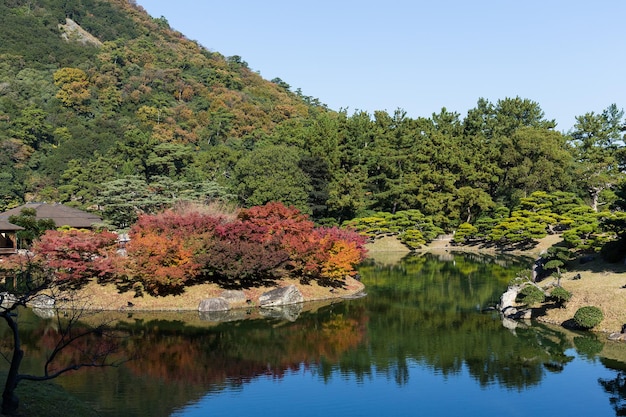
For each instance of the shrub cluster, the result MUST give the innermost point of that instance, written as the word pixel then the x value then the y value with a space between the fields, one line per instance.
pixel 170 250
pixel 531 295
pixel 261 244
pixel 588 317
pixel 560 295
pixel 540 213
pixel 413 228
pixel 68 257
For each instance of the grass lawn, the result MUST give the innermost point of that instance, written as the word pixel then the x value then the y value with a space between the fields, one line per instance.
pixel 47 399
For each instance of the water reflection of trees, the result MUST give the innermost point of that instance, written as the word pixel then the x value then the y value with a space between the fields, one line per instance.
pixel 615 387
pixel 448 344
pixel 424 313
pixel 461 284
pixel 173 363
pixel 428 312
pixel 237 352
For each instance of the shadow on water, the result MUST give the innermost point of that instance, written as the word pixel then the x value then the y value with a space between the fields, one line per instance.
pixel 424 312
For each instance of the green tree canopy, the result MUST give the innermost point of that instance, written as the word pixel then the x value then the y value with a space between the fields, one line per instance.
pixel 272 173
pixel 596 140
pixel 33 227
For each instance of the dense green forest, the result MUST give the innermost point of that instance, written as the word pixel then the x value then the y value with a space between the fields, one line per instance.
pixel 137 116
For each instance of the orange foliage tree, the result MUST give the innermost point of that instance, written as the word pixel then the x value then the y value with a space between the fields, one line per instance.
pixel 162 264
pixel 161 255
pixel 338 252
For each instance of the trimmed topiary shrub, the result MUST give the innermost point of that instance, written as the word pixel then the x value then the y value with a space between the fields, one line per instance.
pixel 531 295
pixel 560 295
pixel 588 317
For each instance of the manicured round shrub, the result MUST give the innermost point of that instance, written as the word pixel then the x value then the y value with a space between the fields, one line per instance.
pixel 560 295
pixel 588 317
pixel 531 295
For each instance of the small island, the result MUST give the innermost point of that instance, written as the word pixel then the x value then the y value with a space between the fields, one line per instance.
pixel 179 258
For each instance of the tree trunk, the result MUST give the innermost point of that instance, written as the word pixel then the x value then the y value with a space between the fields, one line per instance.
pixel 594 192
pixel 10 402
pixel 595 197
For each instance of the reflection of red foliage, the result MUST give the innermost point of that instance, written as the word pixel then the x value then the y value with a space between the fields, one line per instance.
pixel 225 354
pixel 77 254
pixel 218 357
pixel 92 348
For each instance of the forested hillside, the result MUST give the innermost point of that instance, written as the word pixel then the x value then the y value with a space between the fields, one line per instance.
pixel 137 116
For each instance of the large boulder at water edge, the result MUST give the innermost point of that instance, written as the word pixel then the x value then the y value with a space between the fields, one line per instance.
pixel 43 306
pixel 507 300
pixel 42 301
pixel 281 296
pixel 7 300
pixel 508 307
pixel 618 337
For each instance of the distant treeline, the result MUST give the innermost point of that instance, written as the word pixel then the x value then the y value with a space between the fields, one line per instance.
pixel 150 118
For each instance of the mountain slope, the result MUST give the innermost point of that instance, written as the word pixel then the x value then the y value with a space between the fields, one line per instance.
pixel 63 100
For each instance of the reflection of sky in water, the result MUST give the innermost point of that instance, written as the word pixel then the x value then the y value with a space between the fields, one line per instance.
pixel 575 391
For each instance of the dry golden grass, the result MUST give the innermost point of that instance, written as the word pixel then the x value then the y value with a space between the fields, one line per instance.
pixel 387 250
pixel 109 297
pixel 600 285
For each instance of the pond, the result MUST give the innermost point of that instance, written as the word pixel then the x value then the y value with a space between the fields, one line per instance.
pixel 424 341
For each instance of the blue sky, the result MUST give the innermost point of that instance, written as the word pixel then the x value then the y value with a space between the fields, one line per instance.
pixel 567 55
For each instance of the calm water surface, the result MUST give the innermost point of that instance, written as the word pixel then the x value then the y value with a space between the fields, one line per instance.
pixel 422 342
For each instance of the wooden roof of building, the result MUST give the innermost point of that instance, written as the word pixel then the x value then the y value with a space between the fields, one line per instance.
pixel 61 214
pixel 5 226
